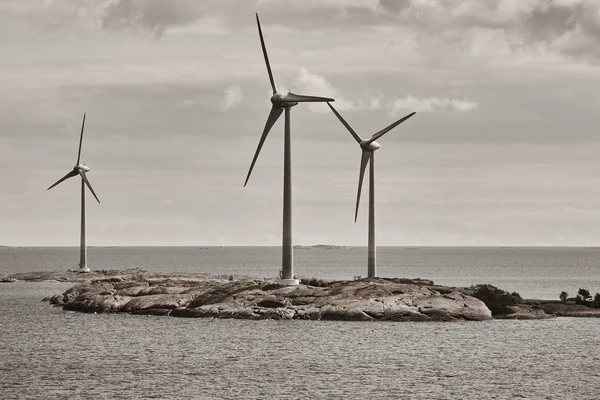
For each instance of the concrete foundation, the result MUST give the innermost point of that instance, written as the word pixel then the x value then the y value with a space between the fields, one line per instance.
pixel 287 282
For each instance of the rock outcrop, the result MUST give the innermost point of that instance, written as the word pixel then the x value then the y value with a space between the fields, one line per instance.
pixel 138 291
pixel 559 309
pixel 116 275
pixel 360 300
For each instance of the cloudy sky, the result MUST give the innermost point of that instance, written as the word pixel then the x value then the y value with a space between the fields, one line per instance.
pixel 504 148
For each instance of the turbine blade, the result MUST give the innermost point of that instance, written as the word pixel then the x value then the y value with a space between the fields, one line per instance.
pixel 298 98
pixel 81 139
pixel 343 121
pixel 85 179
pixel 67 176
pixel 273 117
pixel 366 156
pixel 264 50
pixel 386 130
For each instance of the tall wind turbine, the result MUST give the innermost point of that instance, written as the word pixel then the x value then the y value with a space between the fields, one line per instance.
pixel 282 102
pixel 368 147
pixel 80 169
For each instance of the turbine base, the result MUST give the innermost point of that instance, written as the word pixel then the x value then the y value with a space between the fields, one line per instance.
pixel 86 269
pixel 287 282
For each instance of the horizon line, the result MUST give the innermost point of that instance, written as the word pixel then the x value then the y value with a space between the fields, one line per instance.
pixel 312 245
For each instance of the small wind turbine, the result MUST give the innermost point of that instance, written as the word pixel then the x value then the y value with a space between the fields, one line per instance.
pixel 280 103
pixel 80 169
pixel 368 147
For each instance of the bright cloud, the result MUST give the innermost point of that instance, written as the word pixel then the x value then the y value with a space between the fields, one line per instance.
pixel 431 104
pixel 233 96
pixel 313 84
pixel 316 85
pixel 186 104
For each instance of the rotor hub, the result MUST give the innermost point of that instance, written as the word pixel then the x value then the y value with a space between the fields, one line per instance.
pixel 279 100
pixel 365 145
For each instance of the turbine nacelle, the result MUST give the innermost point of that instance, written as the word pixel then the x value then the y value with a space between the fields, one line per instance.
pixel 81 167
pixel 280 100
pixel 369 146
pixel 291 99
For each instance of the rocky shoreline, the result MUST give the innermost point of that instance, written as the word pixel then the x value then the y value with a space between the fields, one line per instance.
pixel 138 291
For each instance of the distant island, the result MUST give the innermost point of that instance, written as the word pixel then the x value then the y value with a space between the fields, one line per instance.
pixel 137 291
pixel 322 246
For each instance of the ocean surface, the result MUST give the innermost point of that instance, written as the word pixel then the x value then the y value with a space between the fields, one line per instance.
pixel 47 353
pixel 534 272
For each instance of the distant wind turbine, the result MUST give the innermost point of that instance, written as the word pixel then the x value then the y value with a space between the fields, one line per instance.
pixel 280 103
pixel 368 147
pixel 80 169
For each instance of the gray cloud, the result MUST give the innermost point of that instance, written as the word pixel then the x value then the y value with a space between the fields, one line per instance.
pixel 565 27
pixel 154 15
pixel 395 6
pixel 546 22
pixel 568 27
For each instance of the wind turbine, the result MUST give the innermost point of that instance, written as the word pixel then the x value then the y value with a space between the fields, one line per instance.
pixel 80 169
pixel 282 102
pixel 369 146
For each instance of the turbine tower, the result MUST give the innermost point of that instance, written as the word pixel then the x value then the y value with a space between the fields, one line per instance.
pixel 80 169
pixel 282 102
pixel 368 147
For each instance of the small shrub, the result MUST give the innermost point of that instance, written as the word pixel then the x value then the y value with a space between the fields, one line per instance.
pixel 596 302
pixel 497 300
pixel 563 296
pixel 583 297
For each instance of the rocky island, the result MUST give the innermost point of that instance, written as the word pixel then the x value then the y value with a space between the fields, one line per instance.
pixel 138 291
pixel 322 247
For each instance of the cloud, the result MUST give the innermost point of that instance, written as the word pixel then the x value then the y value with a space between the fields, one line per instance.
pixel 569 28
pixel 546 22
pixel 316 85
pixel 233 96
pixel 154 15
pixel 394 6
pixel 431 104
pixel 565 27
pixel 186 103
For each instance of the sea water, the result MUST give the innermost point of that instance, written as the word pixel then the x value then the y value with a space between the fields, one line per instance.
pixel 47 353
pixel 533 272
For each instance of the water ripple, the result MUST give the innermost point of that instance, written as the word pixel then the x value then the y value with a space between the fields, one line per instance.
pixel 50 354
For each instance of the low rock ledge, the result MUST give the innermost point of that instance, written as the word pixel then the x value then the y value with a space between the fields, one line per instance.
pixel 138 291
